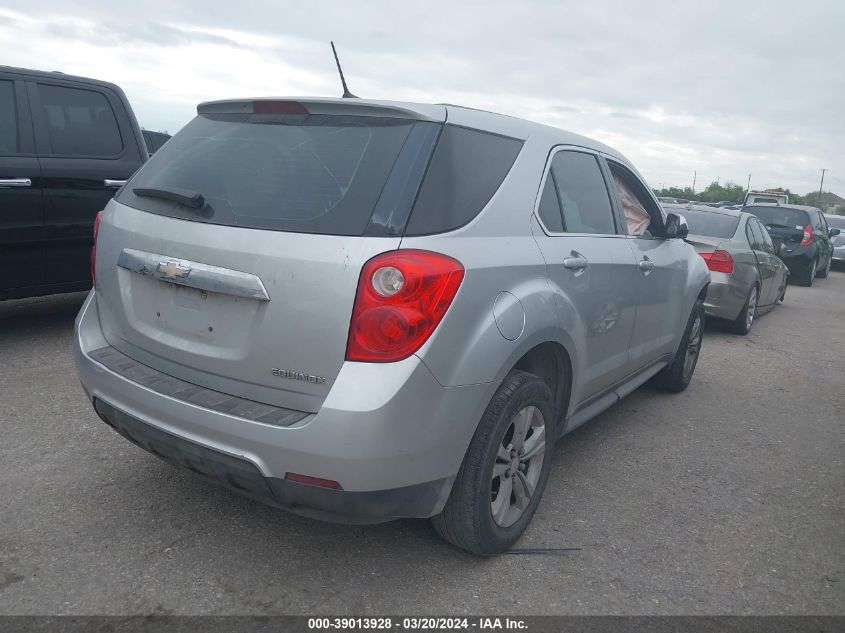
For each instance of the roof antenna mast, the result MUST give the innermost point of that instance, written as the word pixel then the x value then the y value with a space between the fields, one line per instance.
pixel 346 93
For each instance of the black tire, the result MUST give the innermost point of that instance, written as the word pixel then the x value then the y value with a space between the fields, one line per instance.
pixel 740 325
pixel 782 297
pixel 826 270
pixel 809 277
pixel 676 376
pixel 467 518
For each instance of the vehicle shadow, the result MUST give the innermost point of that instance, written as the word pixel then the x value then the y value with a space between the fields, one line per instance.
pixel 39 315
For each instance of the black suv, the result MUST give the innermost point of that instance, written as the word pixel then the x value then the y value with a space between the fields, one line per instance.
pixel 66 145
pixel 807 249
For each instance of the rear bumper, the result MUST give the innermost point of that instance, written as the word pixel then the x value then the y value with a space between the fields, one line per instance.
pixel 725 297
pixel 799 260
pixel 390 434
pixel 240 475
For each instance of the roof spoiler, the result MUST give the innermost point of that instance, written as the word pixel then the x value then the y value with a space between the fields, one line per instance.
pixel 337 107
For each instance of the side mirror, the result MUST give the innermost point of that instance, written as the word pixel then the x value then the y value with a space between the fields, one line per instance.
pixel 676 226
pixel 833 232
pixel 781 250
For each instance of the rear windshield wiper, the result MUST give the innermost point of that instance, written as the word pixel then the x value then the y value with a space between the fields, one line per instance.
pixel 185 197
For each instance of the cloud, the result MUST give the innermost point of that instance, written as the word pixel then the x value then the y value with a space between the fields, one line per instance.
pixel 723 89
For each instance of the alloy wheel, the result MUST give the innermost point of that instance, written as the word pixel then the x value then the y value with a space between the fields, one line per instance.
pixel 752 308
pixel 519 462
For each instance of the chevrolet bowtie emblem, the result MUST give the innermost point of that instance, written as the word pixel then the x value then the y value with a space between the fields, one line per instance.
pixel 172 270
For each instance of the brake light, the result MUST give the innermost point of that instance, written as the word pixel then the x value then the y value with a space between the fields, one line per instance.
pixel 719 261
pixel 401 298
pixel 278 107
pixel 94 248
pixel 808 236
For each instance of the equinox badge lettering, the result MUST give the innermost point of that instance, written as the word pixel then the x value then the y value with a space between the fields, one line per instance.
pixel 290 374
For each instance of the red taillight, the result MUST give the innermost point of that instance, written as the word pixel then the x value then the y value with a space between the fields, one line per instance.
pixel 313 481
pixel 278 107
pixel 94 248
pixel 808 236
pixel 719 261
pixel 402 297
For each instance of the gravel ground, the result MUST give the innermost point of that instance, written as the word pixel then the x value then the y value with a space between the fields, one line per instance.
pixel 725 499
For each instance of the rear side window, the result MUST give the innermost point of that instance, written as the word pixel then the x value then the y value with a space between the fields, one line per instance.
pixel 79 122
pixel 780 217
pixel 582 193
pixel 8 119
pixel 298 173
pixel 767 239
pixel 756 237
pixel 467 168
pixel 549 209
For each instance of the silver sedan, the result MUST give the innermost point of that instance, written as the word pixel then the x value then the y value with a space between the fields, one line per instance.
pixel 747 276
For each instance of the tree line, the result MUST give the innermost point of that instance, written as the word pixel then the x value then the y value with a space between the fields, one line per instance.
pixel 731 191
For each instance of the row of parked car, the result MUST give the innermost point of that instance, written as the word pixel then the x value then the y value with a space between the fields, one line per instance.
pixel 755 252
pixel 366 310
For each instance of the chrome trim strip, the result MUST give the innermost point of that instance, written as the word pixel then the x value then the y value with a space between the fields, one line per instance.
pixel 193 274
pixel 117 184
pixel 15 182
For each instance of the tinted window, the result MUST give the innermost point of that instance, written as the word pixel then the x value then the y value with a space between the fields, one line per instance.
pixel 79 122
pixel 467 168
pixel 815 220
pixel 549 209
pixel 154 140
pixel 767 239
pixel 8 119
pixel 757 235
pixel 299 173
pixel 780 217
pixel 710 224
pixel 582 193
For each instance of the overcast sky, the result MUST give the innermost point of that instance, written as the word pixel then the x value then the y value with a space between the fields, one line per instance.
pixel 721 88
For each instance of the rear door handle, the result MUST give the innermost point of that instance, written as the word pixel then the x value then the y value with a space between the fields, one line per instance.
pixel 575 262
pixel 116 184
pixel 646 265
pixel 15 182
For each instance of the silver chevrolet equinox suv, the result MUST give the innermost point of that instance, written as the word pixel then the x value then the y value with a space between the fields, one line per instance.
pixel 363 310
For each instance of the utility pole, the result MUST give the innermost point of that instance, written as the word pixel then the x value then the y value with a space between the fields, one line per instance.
pixel 821 184
pixel 694 176
pixel 748 186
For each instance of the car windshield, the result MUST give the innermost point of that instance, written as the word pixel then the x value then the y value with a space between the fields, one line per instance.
pixel 780 217
pixel 710 224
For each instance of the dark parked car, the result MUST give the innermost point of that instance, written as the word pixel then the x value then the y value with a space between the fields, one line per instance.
pixel 805 236
pixel 66 145
pixel 154 140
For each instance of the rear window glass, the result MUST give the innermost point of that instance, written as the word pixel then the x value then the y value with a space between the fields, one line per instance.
pixel 299 173
pixel 467 168
pixel 710 224
pixel 780 217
